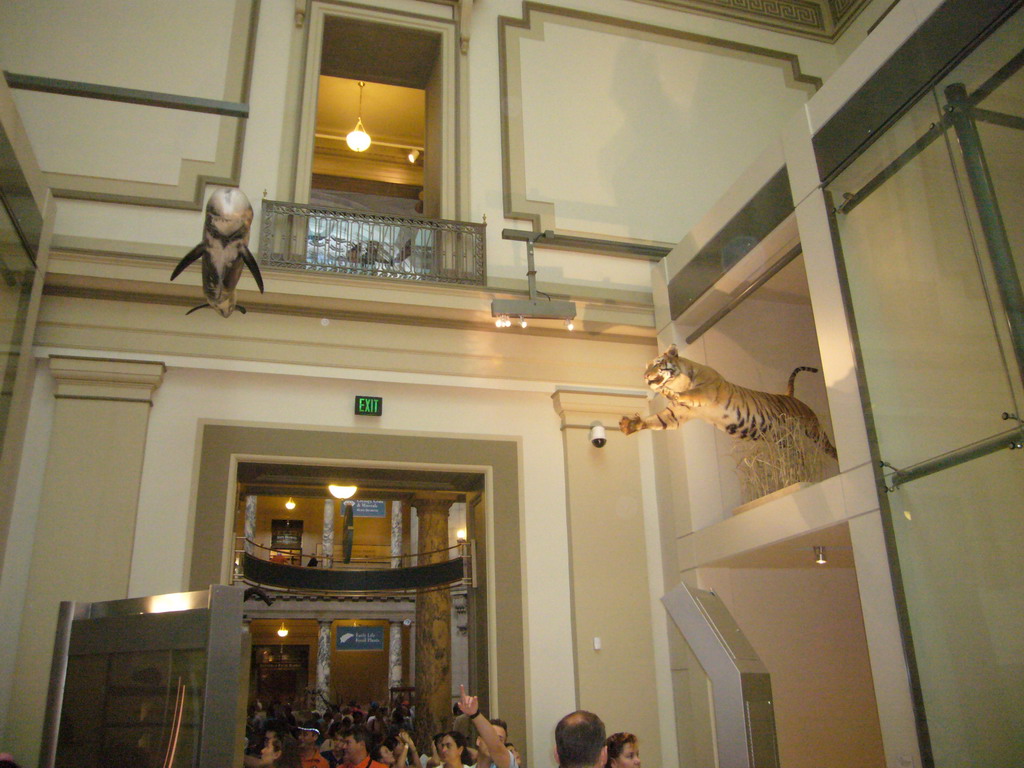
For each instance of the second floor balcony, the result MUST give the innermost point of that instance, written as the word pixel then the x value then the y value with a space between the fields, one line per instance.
pixel 318 239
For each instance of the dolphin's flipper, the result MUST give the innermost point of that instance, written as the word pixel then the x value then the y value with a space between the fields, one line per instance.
pixel 250 262
pixel 190 257
pixel 200 306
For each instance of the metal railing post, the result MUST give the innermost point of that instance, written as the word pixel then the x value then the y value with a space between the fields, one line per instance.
pixel 1007 280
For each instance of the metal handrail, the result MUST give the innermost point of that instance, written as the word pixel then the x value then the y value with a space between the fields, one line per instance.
pixel 324 576
pixel 248 545
pixel 313 238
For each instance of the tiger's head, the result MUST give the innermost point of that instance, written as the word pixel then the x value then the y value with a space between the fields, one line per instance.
pixel 669 374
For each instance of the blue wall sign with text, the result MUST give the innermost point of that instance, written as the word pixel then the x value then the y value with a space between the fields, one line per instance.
pixel 360 639
pixel 368 508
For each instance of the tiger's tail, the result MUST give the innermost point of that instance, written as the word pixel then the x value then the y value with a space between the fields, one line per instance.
pixel 792 377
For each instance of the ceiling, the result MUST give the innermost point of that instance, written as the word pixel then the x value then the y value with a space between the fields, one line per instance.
pixel 393 55
pixel 311 480
pixel 798 552
pixel 820 19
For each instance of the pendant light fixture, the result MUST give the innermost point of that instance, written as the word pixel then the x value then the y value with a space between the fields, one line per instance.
pixel 290 504
pixel 358 139
pixel 283 631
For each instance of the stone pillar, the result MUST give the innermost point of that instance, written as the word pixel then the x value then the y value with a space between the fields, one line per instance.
pixel 396 534
pixel 395 655
pixel 250 523
pixel 328 539
pixel 323 663
pixel 433 626
pixel 85 529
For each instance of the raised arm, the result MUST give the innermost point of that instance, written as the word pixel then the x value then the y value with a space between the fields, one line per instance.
pixel 499 753
pixel 412 756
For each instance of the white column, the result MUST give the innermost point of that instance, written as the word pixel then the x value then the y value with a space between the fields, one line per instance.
pixel 396 534
pixel 323 661
pixel 328 539
pixel 395 654
pixel 250 522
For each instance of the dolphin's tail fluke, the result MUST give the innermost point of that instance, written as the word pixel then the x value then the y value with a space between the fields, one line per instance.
pixel 190 257
pixel 254 268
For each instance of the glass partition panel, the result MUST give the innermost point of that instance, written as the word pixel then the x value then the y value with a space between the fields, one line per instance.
pixel 960 537
pixel 936 370
pixel 931 225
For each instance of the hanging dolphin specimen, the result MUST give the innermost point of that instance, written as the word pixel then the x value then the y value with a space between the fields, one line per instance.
pixel 224 250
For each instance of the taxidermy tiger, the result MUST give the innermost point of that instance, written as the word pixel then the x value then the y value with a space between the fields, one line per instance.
pixel 695 391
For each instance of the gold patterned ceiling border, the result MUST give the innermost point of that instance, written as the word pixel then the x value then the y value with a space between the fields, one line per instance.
pixel 818 19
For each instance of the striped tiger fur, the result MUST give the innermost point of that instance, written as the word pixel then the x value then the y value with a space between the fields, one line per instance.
pixel 696 391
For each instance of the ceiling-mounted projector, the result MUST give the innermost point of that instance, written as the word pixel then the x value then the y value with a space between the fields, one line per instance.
pixel 534 307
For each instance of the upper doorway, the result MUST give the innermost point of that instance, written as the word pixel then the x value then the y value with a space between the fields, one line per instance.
pixel 392 77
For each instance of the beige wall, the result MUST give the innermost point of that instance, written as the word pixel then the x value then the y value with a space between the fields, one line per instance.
pixel 613 636
pixel 805 624
pixel 86 521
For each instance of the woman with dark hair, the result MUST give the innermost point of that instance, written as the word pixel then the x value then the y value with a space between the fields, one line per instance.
pixel 281 751
pixel 623 751
pixel 452 750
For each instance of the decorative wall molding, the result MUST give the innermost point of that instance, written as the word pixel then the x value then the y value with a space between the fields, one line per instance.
pixel 194 175
pixel 541 214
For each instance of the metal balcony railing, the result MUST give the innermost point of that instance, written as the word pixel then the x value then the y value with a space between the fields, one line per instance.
pixel 318 239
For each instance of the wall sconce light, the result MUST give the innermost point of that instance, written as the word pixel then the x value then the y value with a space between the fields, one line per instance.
pixel 460 535
pixel 414 155
pixel 290 504
pixel 358 139
pixel 283 631
pixel 819 555
pixel 342 491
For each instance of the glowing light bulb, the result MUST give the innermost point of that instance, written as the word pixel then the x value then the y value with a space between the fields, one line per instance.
pixel 342 491
pixel 358 140
pixel 290 504
pixel 522 322
pixel 283 631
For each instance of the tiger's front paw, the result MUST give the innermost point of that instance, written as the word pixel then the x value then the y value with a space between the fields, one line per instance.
pixel 631 424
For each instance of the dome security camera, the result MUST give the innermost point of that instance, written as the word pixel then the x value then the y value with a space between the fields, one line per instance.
pixel 597 436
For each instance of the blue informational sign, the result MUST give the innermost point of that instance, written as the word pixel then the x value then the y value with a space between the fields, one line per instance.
pixel 360 639
pixel 365 508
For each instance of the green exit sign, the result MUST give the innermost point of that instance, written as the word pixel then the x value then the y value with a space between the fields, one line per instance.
pixel 369 406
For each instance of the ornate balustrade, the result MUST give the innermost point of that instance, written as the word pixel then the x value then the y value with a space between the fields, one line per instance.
pixel 318 239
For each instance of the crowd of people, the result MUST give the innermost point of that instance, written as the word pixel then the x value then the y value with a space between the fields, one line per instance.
pixel 354 737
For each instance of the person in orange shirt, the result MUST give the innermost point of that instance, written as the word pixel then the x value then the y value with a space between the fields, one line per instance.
pixel 358 744
pixel 309 752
